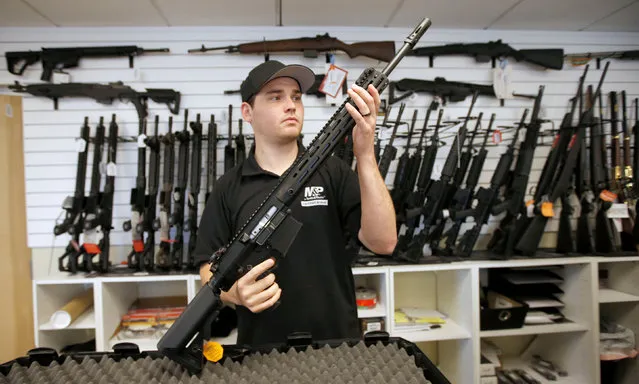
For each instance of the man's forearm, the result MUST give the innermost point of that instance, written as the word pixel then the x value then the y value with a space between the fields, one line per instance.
pixel 205 276
pixel 378 230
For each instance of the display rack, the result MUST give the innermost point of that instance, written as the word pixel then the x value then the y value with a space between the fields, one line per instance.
pixel 451 288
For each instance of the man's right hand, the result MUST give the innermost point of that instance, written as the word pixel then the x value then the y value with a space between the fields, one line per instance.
pixel 257 295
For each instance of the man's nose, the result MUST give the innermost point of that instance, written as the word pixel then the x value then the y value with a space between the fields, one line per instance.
pixel 290 104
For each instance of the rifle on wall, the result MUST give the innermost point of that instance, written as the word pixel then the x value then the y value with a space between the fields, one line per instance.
pixel 485 52
pixel 240 144
pixel 211 167
pixel 441 88
pixel 150 224
pixel 73 206
pixel 163 257
pixel 177 218
pixel 90 211
pixel 104 94
pixel 194 188
pixel 389 150
pixel 57 59
pixel 271 225
pixel 529 241
pixel 229 151
pixel 310 46
pixel 401 183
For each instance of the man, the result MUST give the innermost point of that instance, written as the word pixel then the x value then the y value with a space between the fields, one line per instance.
pixel 313 283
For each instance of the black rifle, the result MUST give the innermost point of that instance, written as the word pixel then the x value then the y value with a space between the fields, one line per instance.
pixel 194 188
pixel 453 91
pixel 211 167
pixel 604 233
pixel 138 200
pixel 270 226
pixel 104 217
pixel 529 241
pixel 91 203
pixel 485 52
pixel 401 185
pixel 465 157
pixel 177 218
pixel 464 197
pixel 73 206
pixel 389 150
pixel 585 234
pixel 104 94
pixel 57 59
pixel 163 257
pixel 505 235
pixel 624 182
pixel 311 46
pixel 635 165
pixel 151 223
pixel 229 151
pixel 415 200
pixel 487 197
pixel 240 145
pixel 437 196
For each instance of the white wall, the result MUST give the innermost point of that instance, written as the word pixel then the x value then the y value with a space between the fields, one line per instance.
pixel 50 158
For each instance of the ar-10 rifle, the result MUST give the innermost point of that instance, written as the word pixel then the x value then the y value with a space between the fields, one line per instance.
pixel 151 223
pixel 529 241
pixel 485 52
pixel 486 198
pixel 271 225
pixel 163 257
pixel 57 59
pixel 310 46
pixel 453 91
pixel 73 206
pixel 104 94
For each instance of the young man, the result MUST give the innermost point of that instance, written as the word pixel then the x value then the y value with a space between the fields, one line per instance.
pixel 313 283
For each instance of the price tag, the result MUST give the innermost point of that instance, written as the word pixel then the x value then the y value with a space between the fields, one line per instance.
pixel 502 80
pixel 618 211
pixel 141 139
pixel 81 145
pixel 8 110
pixel 333 80
pixel 497 136
pixel 111 169
pixel 60 78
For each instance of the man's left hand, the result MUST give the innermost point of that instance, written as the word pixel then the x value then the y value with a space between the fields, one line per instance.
pixel 365 116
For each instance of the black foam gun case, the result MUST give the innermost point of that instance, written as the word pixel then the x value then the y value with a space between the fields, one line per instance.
pixel 377 346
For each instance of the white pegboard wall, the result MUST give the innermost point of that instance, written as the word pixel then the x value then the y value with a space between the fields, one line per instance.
pixel 50 157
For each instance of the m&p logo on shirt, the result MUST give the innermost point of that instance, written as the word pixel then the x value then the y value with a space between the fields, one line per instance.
pixel 314 196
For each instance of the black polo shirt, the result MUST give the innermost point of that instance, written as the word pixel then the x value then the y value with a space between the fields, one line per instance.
pixel 318 291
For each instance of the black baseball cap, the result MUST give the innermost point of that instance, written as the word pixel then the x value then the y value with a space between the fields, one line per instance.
pixel 273 69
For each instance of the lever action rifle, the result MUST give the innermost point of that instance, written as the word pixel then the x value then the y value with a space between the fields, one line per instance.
pixel 104 94
pixel 163 257
pixel 61 58
pixel 271 225
pixel 389 150
pixel 194 188
pixel 90 235
pixel 310 46
pixel 529 241
pixel 485 52
pixel 177 218
pixel 487 197
pixel 453 91
pixel 73 206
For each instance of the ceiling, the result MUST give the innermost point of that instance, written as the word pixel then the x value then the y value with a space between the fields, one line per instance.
pixel 566 15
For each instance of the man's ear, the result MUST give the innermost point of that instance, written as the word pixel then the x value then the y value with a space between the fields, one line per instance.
pixel 247 112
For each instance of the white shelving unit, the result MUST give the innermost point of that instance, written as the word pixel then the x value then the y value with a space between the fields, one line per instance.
pixel 452 289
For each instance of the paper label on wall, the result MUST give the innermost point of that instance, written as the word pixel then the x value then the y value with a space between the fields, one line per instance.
pixel 502 80
pixel 60 78
pixel 141 139
pixel 111 169
pixel 333 80
pixel 81 145
pixel 8 110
